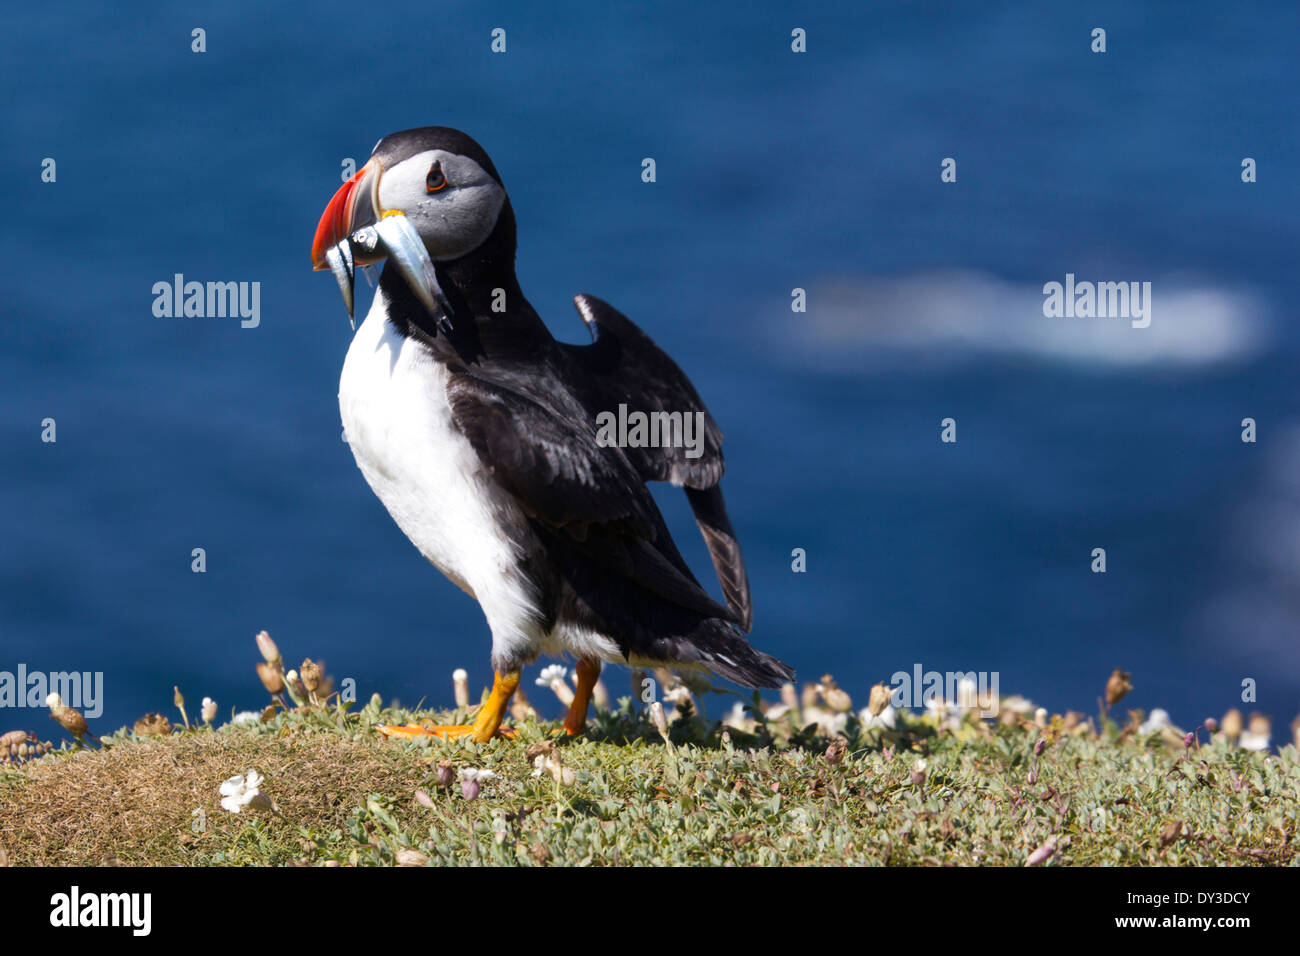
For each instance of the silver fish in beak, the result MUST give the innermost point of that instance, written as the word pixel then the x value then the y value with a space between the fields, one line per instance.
pixel 353 231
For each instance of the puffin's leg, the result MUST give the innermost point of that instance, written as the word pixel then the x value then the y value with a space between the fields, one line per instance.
pixel 490 715
pixel 588 673
pixel 486 725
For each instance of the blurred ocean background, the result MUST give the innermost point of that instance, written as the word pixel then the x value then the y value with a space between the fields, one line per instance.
pixel 776 170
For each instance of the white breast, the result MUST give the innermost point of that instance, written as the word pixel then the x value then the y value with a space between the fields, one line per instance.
pixel 393 400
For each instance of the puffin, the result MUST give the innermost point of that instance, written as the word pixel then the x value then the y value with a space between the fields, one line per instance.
pixel 478 430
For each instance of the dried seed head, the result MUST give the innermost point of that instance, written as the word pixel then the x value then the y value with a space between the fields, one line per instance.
pixel 539 749
pixel 270 653
pixel 1232 724
pixel 271 677
pixel 70 720
pixel 660 721
pixel 1173 831
pixel 152 725
pixel 520 708
pixel 1120 683
pixel 879 699
pixel 838 700
pixel 311 675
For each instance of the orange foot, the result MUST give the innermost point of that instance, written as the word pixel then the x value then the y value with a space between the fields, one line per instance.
pixel 486 725
pixel 446 731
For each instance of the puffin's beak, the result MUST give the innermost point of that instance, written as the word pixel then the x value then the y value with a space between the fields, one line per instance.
pixel 354 231
pixel 342 217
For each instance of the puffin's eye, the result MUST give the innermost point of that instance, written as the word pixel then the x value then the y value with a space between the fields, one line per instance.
pixel 435 180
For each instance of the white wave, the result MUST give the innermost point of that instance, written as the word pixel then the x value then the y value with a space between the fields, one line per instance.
pixel 958 313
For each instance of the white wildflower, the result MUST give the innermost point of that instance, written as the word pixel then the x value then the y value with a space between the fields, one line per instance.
pixel 549 763
pixel 1249 740
pixel 1017 704
pixel 968 696
pixel 550 674
pixel 943 712
pixel 887 718
pixel 1158 720
pixel 240 792
pixel 829 723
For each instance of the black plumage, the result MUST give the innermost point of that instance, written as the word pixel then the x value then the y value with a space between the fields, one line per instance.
pixel 528 405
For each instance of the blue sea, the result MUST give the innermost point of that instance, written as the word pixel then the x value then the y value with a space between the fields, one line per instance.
pixel 775 171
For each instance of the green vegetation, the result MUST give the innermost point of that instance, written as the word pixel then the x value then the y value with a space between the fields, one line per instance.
pixel 928 791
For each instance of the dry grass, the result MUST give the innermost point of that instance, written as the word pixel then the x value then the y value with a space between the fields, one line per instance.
pixel 135 803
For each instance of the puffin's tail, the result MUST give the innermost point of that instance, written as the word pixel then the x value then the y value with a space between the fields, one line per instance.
pixel 711 515
pixel 723 649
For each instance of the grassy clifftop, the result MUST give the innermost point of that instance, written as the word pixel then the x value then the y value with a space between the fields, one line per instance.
pixel 927 791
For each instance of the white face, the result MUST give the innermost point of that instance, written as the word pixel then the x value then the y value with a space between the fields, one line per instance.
pixel 453 220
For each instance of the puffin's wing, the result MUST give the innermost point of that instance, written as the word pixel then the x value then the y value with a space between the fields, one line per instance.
pixel 624 366
pixel 573 486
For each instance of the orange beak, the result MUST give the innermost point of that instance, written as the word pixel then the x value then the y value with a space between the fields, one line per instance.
pixel 340 217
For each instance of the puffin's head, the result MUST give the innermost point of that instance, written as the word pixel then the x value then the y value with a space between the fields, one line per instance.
pixel 425 195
